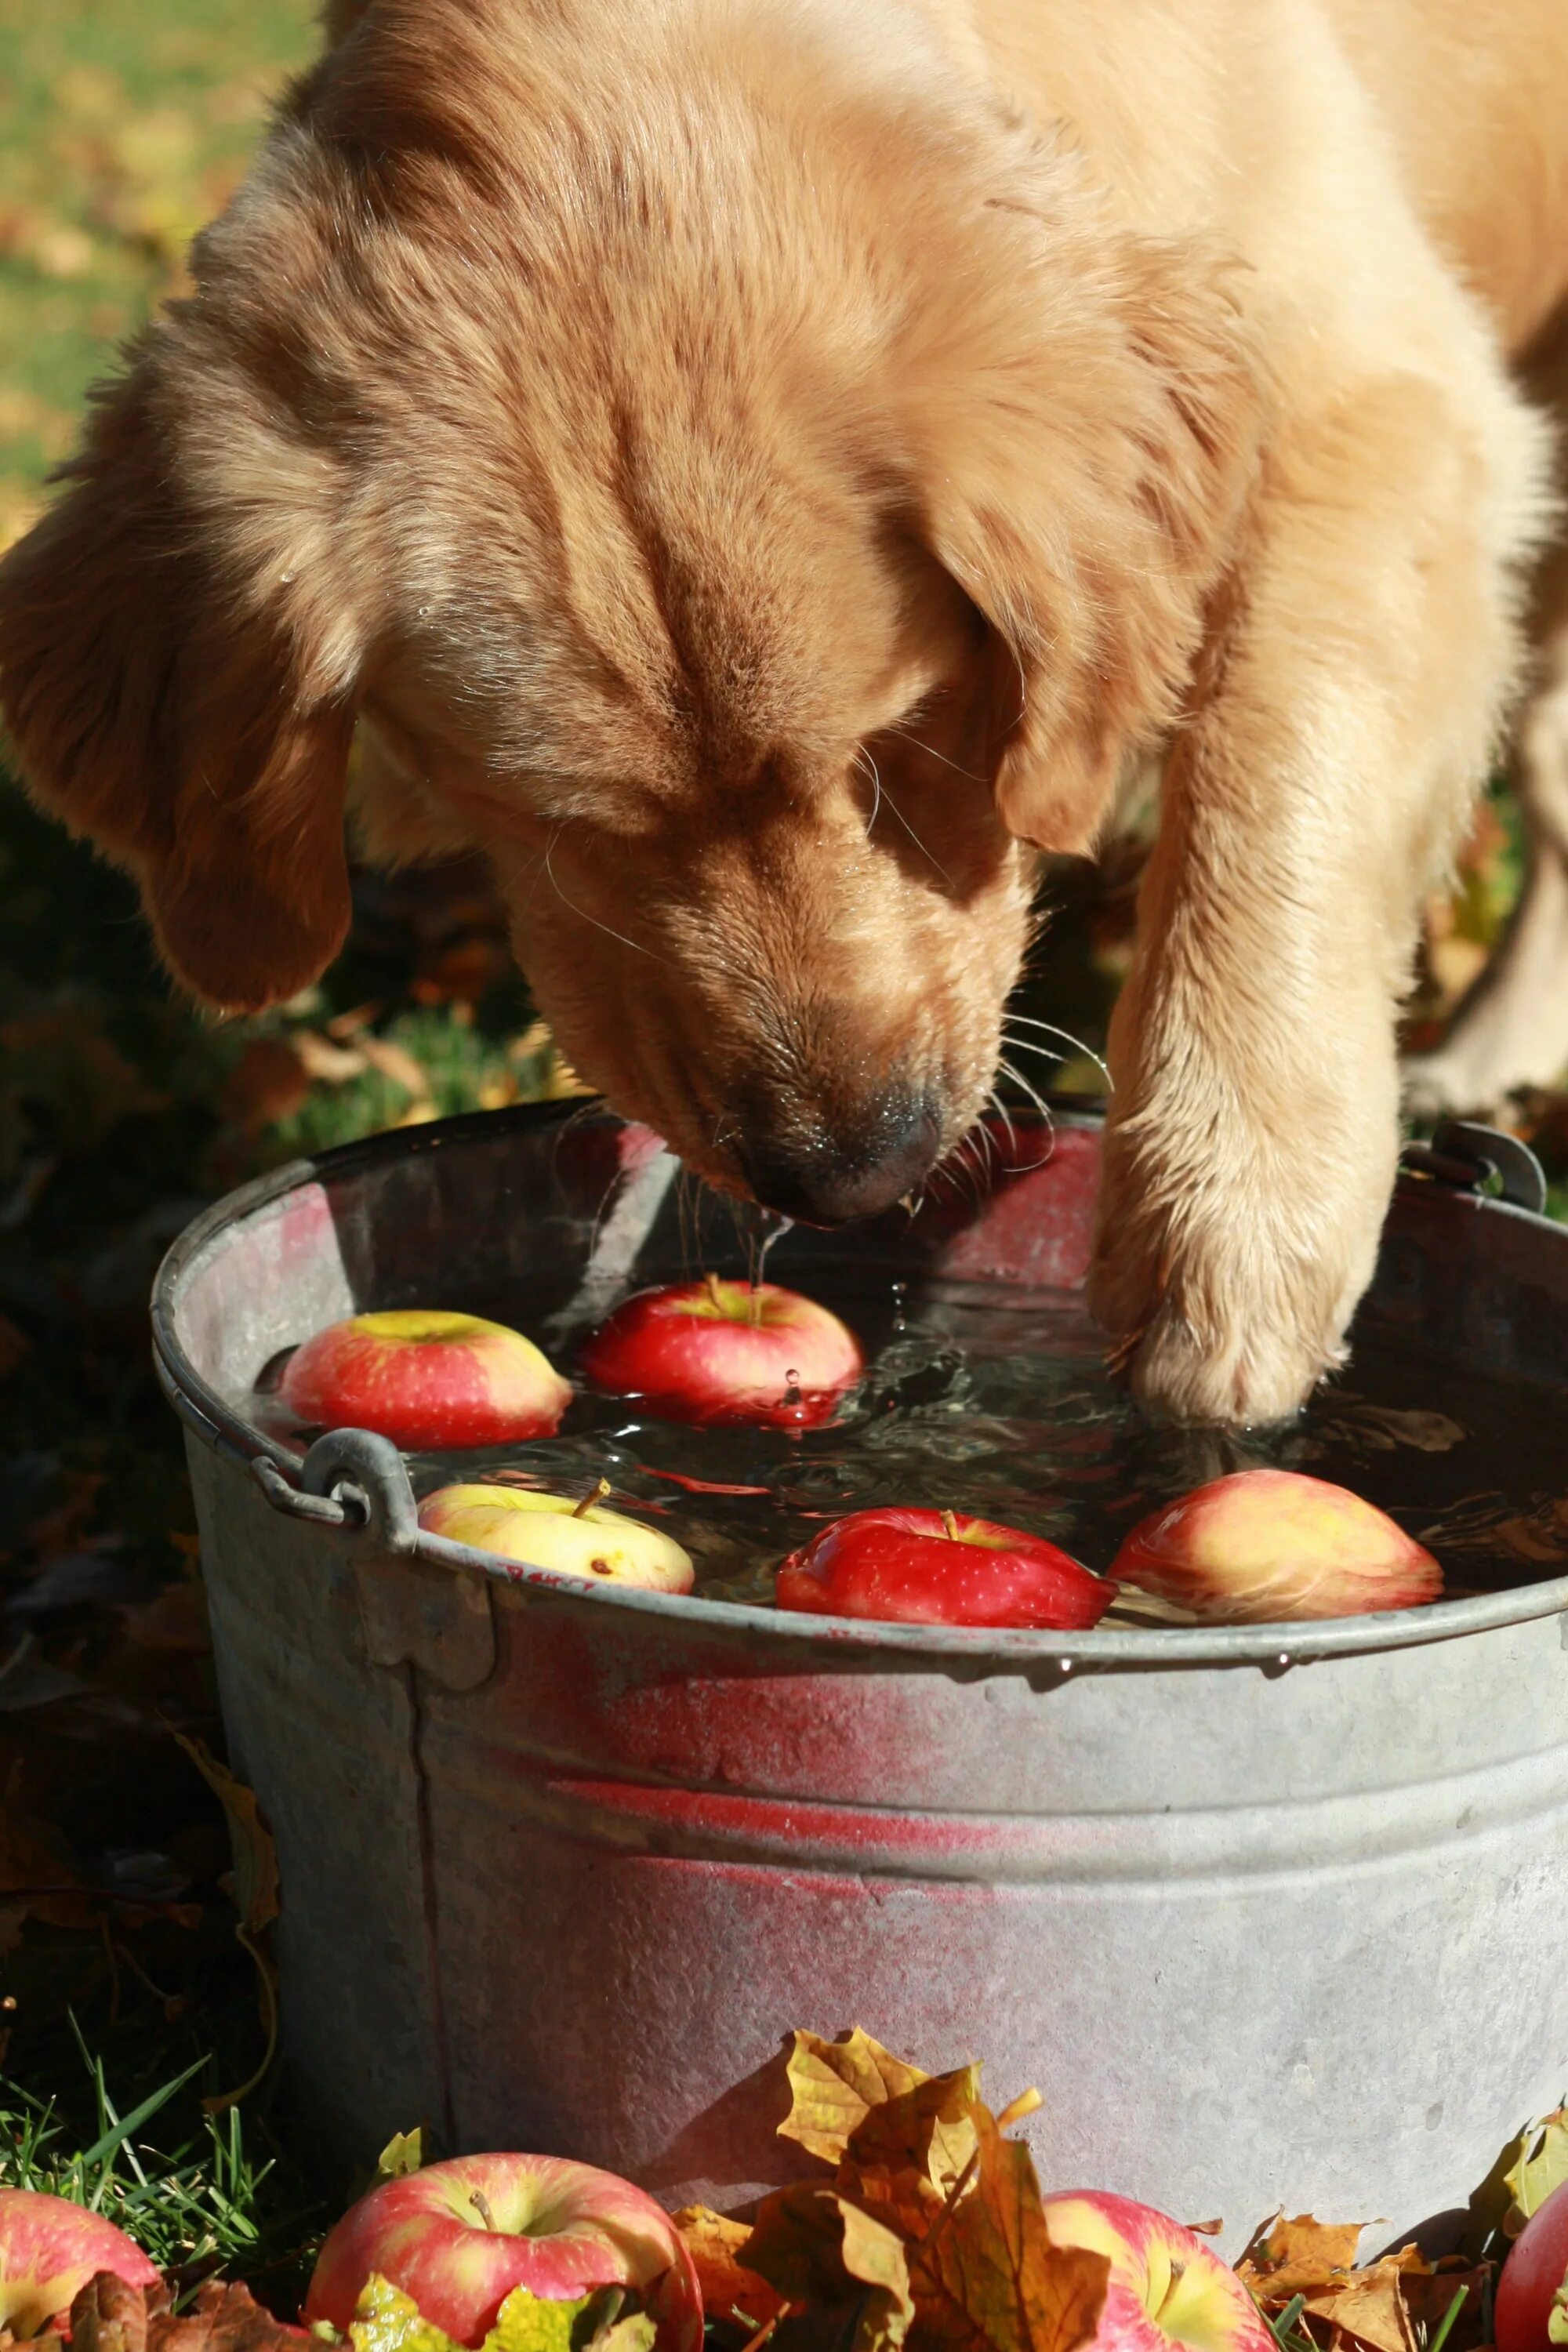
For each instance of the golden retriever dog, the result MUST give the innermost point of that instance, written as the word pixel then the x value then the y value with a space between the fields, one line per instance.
pixel 761 470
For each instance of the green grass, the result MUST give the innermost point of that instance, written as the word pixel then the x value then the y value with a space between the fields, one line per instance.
pixel 200 2193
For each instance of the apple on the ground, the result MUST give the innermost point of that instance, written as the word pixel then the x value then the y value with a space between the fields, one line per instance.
pixel 1166 2288
pixel 1530 2313
pixel 715 1351
pixel 917 1567
pixel 460 2236
pixel 49 2248
pixel 424 1377
pixel 559 1531
pixel 1263 1546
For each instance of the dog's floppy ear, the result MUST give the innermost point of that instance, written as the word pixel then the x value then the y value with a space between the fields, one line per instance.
pixel 177 673
pixel 1090 437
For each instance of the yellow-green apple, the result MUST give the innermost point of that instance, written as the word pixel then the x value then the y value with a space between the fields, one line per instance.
pixel 1166 2288
pixel 49 2248
pixel 713 1350
pixel 425 1377
pixel 1263 1546
pixel 460 2236
pixel 1531 2311
pixel 553 1531
pixel 936 1567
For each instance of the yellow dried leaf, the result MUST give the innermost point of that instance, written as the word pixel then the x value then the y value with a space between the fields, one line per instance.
pixel 835 2085
pixel 874 2254
pixel 1541 2166
pixel 319 1058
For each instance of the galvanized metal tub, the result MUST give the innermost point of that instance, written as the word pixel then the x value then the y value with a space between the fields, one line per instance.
pixel 1267 1915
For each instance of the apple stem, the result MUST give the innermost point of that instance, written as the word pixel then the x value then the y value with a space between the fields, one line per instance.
pixel 596 1494
pixel 754 1307
pixel 950 1521
pixel 481 2205
pixel 1017 2109
pixel 716 1295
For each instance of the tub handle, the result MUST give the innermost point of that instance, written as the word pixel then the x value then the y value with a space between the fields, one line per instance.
pixel 1466 1155
pixel 412 1611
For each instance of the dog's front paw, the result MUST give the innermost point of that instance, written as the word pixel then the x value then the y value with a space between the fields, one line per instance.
pixel 1229 1304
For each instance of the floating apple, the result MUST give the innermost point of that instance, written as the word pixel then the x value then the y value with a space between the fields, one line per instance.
pixel 460 2236
pixel 553 1531
pixel 425 1377
pixel 934 1568
pixel 713 1350
pixel 1166 2288
pixel 1263 1547
pixel 1532 2292
pixel 49 2248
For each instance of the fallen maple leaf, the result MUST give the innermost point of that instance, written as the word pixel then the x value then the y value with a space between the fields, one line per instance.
pixel 1288 2258
pixel 933 2229
pixel 988 2274
pixel 729 2291
pixel 835 2085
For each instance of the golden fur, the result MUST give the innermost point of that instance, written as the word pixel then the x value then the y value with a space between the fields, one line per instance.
pixel 752 468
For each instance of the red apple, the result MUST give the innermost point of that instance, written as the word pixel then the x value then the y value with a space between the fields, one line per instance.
pixel 933 1567
pixel 1533 2288
pixel 713 1350
pixel 49 2248
pixel 1266 1546
pixel 458 2237
pixel 1166 2288
pixel 561 1531
pixel 425 1377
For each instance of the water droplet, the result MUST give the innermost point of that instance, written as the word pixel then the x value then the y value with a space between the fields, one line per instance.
pixel 1284 1657
pixel 792 1388
pixel 423 612
pixel 900 1292
pixel 285 577
pixel 1066 1664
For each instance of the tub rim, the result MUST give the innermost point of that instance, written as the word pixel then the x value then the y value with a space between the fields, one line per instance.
pixel 1271 1647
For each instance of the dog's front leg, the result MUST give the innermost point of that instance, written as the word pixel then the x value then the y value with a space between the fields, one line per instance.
pixel 1348 712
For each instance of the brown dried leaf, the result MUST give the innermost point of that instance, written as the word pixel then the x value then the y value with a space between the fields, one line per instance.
pixel 1371 2307
pixel 35 1882
pixel 930 2127
pixel 730 2289
pixel 988 2279
pixel 797 2244
pixel 255 1892
pixel 1302 2256
pixel 108 2315
pixel 835 2085
pixel 223 2318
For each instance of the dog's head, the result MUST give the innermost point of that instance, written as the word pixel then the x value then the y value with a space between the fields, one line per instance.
pixel 740 482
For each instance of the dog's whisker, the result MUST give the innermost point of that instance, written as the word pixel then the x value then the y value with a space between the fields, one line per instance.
pixel 914 837
pixel 1028 1045
pixel 1024 1087
pixel 862 752
pixel 1006 1115
pixel 932 753
pixel 635 946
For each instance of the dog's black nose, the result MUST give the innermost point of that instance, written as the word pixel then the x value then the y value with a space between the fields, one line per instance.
pixel 821 1178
